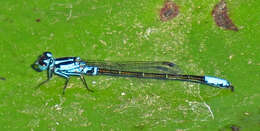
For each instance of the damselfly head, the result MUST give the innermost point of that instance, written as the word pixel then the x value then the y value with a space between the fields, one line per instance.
pixel 43 62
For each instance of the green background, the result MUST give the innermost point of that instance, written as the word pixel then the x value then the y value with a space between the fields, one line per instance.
pixel 129 30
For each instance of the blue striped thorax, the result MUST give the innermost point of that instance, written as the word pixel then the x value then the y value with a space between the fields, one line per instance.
pixel 65 67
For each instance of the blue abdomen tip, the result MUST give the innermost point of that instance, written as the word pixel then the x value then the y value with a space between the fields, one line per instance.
pixel 218 82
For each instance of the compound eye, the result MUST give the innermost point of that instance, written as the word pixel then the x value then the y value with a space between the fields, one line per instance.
pixel 41 61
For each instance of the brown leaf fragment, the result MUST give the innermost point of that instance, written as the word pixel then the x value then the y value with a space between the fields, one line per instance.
pixel 169 11
pixel 221 16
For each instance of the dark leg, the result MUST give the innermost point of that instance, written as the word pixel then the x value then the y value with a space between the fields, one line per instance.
pixel 49 73
pixel 84 82
pixel 232 88
pixel 42 83
pixel 66 83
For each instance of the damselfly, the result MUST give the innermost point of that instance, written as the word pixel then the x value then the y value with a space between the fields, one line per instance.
pixel 74 66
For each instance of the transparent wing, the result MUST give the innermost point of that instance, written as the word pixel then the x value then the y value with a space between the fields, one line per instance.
pixel 137 66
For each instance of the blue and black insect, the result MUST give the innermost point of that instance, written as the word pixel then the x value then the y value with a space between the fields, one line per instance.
pixel 74 66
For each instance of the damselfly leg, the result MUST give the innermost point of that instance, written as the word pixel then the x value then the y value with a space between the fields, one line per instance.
pixel 84 82
pixel 82 78
pixel 49 75
pixel 42 83
pixel 65 86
